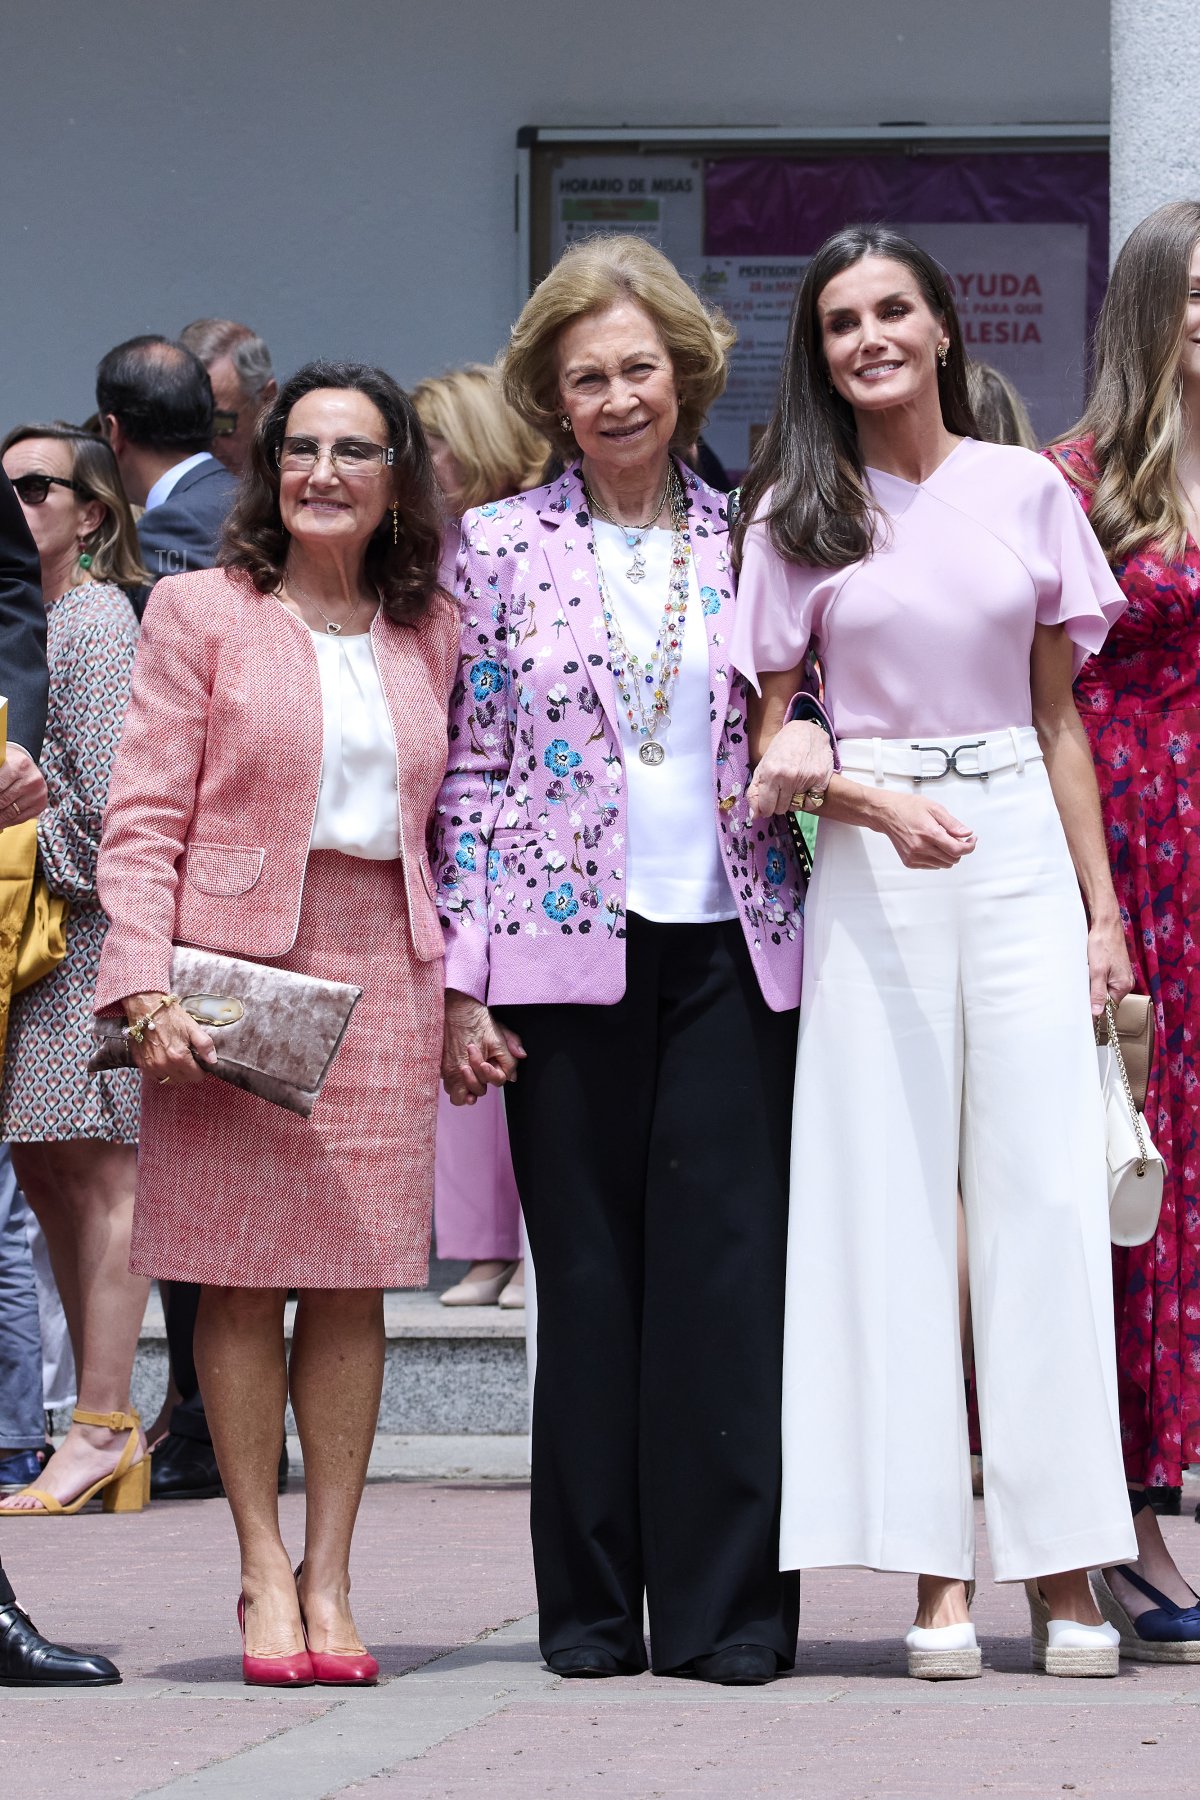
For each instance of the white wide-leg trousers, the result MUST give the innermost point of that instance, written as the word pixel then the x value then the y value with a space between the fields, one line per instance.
pixel 945 1032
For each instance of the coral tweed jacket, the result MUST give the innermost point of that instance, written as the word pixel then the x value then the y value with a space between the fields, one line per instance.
pixel 214 793
pixel 532 840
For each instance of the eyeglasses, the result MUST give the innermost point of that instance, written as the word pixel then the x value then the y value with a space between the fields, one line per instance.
pixel 225 423
pixel 350 456
pixel 32 489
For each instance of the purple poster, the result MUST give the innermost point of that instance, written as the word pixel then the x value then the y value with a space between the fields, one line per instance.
pixel 1023 236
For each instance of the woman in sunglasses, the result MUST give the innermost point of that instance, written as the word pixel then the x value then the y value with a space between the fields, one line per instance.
pixel 276 781
pixel 74 1137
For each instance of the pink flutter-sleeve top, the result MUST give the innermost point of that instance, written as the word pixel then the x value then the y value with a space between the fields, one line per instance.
pixel 931 633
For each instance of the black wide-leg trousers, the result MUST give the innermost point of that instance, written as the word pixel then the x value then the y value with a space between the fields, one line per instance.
pixel 650 1141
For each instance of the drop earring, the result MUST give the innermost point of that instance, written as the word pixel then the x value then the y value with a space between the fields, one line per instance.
pixel 943 354
pixel 395 522
pixel 565 423
pixel 85 560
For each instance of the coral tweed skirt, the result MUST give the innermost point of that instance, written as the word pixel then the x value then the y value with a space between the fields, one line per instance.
pixel 236 1191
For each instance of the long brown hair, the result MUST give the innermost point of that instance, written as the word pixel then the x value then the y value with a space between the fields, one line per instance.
pixel 1134 413
pixel 113 546
pixel 821 509
pixel 402 564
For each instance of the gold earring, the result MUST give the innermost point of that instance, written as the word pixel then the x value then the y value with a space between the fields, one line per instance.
pixel 943 354
pixel 395 522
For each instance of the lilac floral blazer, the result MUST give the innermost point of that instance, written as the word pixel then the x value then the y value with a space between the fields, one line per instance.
pixel 530 835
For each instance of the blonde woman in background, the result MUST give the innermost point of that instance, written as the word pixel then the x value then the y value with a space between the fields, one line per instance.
pixel 74 1137
pixel 1000 412
pixel 482 451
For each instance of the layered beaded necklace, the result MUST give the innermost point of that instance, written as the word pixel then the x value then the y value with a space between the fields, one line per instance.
pixel 635 535
pixel 646 688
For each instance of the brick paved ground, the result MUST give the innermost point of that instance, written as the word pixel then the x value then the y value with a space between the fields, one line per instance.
pixel 444 1595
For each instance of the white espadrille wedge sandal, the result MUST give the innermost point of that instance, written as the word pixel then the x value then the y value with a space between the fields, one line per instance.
pixel 1062 1647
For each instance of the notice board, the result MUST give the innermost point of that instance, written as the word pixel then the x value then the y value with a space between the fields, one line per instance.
pixel 1019 223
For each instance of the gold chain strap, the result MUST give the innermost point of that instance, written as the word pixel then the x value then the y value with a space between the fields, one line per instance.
pixel 1114 1044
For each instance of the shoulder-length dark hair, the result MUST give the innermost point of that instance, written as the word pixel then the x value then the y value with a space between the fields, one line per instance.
pixel 404 571
pixel 821 511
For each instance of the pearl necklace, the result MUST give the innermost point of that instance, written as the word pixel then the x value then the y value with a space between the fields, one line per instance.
pixel 654 680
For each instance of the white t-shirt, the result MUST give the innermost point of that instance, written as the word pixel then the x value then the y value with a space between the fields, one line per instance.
pixel 673 858
pixel 358 808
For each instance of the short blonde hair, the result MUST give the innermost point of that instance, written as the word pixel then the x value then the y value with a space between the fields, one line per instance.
pixel 498 453
pixel 588 277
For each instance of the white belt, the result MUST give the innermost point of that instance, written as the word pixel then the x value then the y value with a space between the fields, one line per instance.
pixel 931 759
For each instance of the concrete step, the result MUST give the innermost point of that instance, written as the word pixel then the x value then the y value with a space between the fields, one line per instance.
pixel 451 1372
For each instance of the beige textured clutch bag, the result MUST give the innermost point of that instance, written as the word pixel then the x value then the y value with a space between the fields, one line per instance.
pixel 276 1032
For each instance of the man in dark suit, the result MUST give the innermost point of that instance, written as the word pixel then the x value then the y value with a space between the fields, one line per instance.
pixel 27 1659
pixel 156 408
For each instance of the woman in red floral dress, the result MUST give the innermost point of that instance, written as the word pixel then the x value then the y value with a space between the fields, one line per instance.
pixel 1134 461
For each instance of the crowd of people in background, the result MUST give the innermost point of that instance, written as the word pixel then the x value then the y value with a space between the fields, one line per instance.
pixel 490 701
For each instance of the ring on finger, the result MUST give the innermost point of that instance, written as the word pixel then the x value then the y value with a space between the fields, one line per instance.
pixel 164 1081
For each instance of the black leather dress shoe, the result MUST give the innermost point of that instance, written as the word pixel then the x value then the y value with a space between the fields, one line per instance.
pixel 742 1665
pixel 185 1469
pixel 584 1663
pixel 27 1659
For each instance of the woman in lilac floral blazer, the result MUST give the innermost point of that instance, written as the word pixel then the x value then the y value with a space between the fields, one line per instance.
pixel 621 930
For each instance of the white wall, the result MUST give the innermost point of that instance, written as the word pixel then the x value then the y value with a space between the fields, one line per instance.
pixel 341 176
pixel 1156 73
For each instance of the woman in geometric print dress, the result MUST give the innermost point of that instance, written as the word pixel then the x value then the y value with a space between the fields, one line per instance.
pixel 1134 462
pixel 74 1136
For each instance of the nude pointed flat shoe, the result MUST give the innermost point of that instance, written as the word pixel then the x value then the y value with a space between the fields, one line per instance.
pixel 480 1293
pixel 513 1295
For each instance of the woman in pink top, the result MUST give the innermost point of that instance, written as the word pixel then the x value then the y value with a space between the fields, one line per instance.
pixel 950 587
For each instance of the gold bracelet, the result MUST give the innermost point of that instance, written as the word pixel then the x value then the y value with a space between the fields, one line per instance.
pixel 137 1031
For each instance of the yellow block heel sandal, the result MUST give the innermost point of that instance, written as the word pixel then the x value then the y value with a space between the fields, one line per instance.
pixel 125 1490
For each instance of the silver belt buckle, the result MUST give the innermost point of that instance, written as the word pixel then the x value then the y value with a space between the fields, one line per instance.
pixel 950 761
pixel 932 774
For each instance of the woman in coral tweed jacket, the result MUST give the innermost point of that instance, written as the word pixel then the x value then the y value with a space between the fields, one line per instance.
pixel 271 799
pixel 603 888
pixel 212 805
